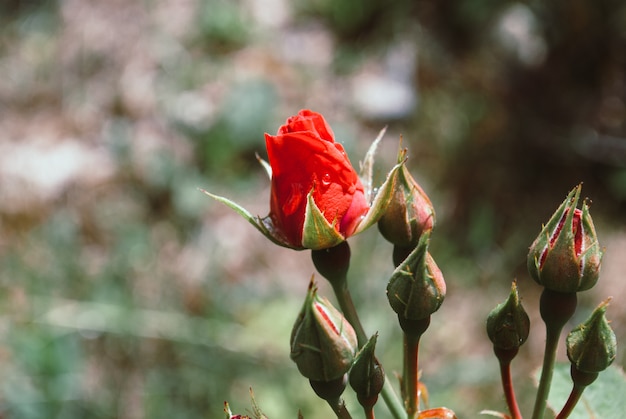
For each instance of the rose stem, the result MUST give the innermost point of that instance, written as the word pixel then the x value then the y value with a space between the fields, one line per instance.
pixel 413 331
pixel 573 398
pixel 333 264
pixel 556 309
pixel 339 407
pixel 346 304
pixel 581 381
pixel 505 357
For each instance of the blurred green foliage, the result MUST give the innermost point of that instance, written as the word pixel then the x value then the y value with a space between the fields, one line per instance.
pixel 136 296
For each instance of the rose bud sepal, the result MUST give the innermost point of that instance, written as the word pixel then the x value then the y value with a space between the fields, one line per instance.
pixel 566 255
pixel 323 343
pixel 417 287
pixel 265 225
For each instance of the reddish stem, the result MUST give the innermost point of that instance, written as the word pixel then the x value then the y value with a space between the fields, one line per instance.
pixel 507 387
pixel 411 374
pixel 573 398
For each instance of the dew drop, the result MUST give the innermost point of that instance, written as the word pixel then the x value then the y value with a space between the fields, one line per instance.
pixel 326 179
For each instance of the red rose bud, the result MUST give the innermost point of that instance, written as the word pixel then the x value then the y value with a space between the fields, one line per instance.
pixel 566 255
pixel 508 324
pixel 410 212
pixel 591 346
pixel 317 199
pixel 323 343
pixel 417 288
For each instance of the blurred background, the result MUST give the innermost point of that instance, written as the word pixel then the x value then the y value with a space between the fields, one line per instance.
pixel 127 293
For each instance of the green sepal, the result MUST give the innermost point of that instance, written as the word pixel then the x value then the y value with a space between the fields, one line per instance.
pixel 381 200
pixel 264 225
pixel 367 376
pixel 317 232
pixel 367 167
pixel 266 165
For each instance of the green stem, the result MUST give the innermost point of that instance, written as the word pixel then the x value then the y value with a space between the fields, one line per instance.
pixel 549 356
pixel 411 371
pixel 392 401
pixel 333 264
pixel 346 304
pixel 556 309
pixel 340 288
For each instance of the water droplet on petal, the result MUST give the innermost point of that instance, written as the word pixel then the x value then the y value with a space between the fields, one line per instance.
pixel 326 179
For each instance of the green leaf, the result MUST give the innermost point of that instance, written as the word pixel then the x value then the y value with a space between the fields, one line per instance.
pixel 603 399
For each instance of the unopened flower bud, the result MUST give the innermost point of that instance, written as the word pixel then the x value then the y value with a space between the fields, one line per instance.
pixel 508 324
pixel 566 255
pixel 592 345
pixel 367 376
pixel 323 343
pixel 417 288
pixel 410 212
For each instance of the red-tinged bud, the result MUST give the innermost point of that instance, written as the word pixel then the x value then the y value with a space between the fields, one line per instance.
pixel 410 212
pixel 591 346
pixel 417 288
pixel 566 255
pixel 323 343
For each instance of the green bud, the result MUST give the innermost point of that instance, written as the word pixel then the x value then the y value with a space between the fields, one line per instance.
pixel 323 343
pixel 367 376
pixel 592 345
pixel 409 213
pixel 417 288
pixel 508 324
pixel 566 256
